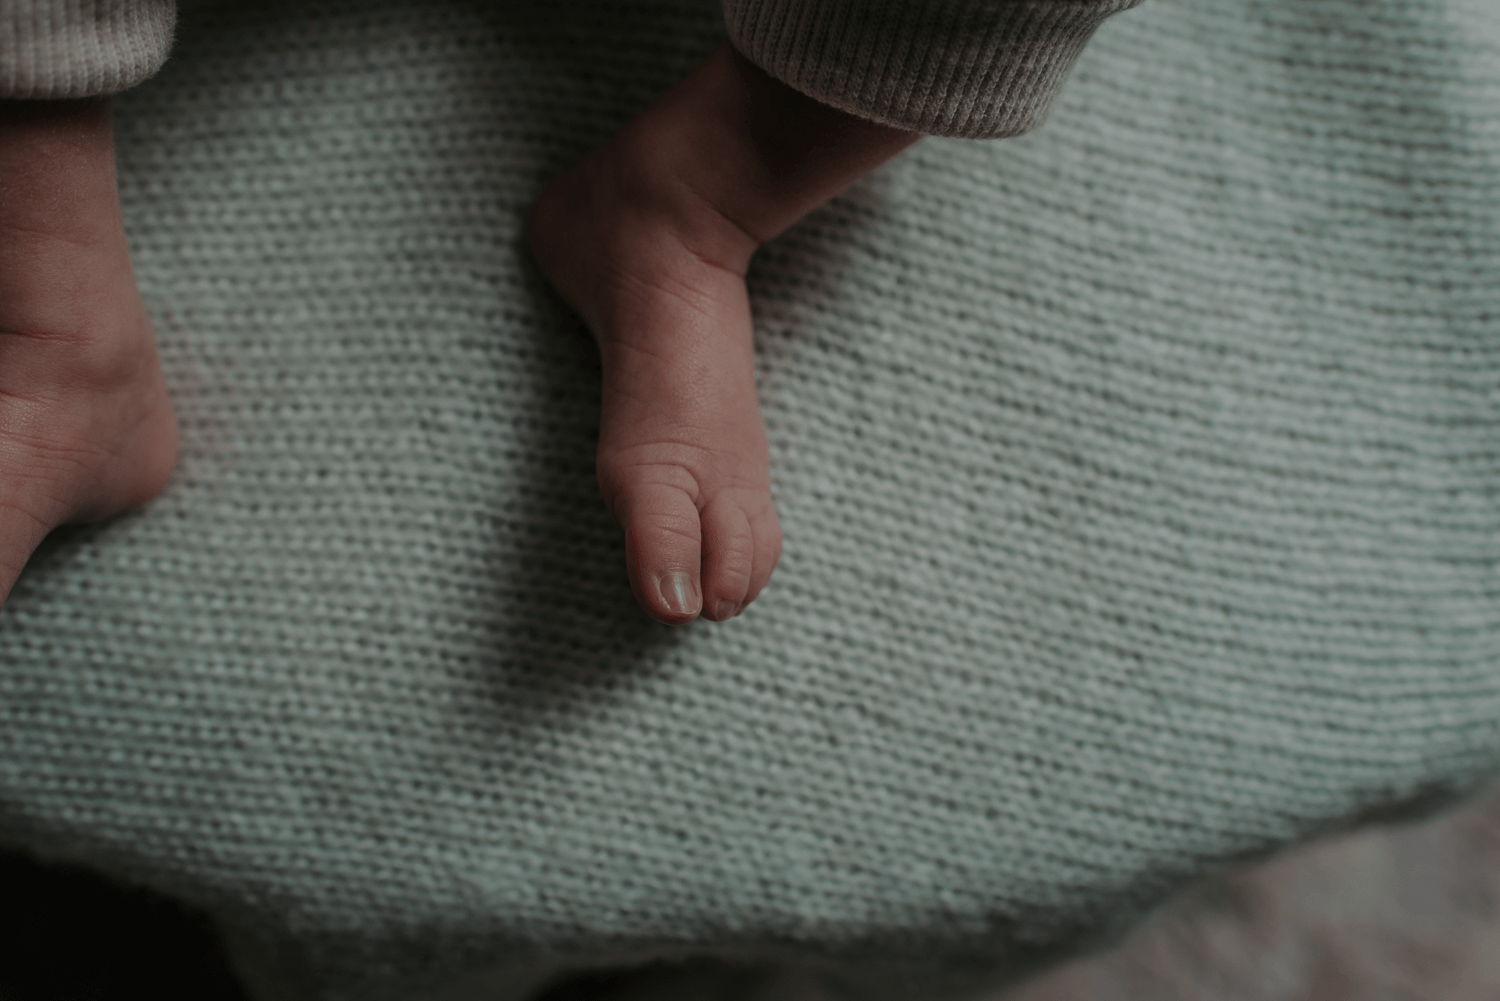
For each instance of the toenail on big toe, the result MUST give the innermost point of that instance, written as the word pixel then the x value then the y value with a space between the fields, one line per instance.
pixel 677 593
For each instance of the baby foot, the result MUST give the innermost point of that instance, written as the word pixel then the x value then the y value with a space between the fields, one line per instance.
pixel 658 276
pixel 86 425
pixel 649 238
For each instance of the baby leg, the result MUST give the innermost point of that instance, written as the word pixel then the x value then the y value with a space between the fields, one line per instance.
pixel 649 238
pixel 682 454
pixel 86 426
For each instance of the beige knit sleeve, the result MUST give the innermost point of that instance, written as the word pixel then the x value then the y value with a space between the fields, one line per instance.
pixel 81 48
pixel 979 69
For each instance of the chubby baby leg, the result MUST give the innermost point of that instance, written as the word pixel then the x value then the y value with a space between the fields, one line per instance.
pixel 86 426
pixel 649 238
pixel 682 455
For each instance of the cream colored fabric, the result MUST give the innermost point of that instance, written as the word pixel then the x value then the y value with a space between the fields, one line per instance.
pixel 81 48
pixel 976 69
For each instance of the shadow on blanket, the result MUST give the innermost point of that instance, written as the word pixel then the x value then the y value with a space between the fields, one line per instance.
pixel 1404 911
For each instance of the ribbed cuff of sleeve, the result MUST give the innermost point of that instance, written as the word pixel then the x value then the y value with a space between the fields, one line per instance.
pixel 81 48
pixel 977 69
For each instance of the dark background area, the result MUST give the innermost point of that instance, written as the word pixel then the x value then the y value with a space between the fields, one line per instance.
pixel 1396 913
pixel 69 935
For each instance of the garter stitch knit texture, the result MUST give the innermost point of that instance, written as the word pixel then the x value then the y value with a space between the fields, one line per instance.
pixel 1140 479
pixel 81 48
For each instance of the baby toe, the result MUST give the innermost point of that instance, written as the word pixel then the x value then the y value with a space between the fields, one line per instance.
pixel 662 550
pixel 735 552
pixel 728 558
pixel 767 529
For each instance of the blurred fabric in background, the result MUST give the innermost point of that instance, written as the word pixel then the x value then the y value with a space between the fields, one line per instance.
pixel 1406 912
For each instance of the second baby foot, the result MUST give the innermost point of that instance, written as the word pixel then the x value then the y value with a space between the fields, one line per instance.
pixel 658 276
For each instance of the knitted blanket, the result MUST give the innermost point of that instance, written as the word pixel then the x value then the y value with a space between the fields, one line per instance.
pixel 1140 479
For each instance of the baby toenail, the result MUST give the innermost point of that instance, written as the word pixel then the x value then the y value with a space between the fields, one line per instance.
pixel 725 609
pixel 677 592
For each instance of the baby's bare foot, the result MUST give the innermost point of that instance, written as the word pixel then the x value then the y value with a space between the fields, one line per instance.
pixel 649 238
pixel 86 426
pixel 682 452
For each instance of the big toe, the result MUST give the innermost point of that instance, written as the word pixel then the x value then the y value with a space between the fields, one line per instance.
pixel 663 549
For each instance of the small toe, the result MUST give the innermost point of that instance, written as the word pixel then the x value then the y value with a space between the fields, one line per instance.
pixel 729 552
pixel 767 529
pixel 663 551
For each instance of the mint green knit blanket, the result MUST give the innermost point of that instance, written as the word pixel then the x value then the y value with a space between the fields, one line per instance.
pixel 1140 479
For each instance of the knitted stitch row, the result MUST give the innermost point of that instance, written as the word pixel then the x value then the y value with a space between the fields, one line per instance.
pixel 1140 479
